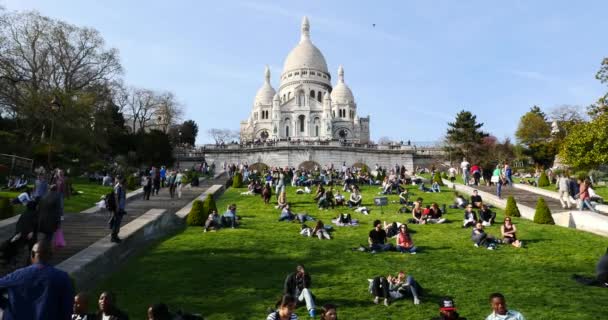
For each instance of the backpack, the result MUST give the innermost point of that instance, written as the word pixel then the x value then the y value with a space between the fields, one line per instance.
pixel 110 200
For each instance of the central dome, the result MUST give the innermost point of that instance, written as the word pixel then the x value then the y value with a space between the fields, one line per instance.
pixel 305 55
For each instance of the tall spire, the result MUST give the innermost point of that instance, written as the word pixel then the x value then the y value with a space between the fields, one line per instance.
pixel 305 29
pixel 267 74
pixel 341 74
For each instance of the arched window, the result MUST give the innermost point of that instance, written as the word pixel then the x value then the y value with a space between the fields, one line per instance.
pixel 319 96
pixel 286 131
pixel 288 95
pixel 301 98
pixel 312 94
pixel 316 131
pixel 302 122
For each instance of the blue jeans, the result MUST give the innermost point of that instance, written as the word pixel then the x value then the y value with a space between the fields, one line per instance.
pixel 406 250
pixel 379 247
pixel 499 189
pixel 586 203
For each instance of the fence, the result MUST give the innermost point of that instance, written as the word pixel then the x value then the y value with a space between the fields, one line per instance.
pixel 13 165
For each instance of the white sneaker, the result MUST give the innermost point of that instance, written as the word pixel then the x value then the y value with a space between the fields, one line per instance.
pixel 376 300
pixel 476 245
pixel 386 302
pixel 413 252
pixel 416 301
pixel 490 248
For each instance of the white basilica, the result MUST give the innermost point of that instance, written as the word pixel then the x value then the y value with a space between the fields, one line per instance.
pixel 306 107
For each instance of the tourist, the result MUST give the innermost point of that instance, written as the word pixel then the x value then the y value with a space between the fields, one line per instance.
pixel 282 200
pixel 41 187
pixel 120 194
pixel 27 226
pixel 320 231
pixel 345 220
pixel 108 309
pixel 329 312
pixel 476 200
pixel 435 186
pixel 509 231
pixel 355 198
pixel 452 174
pixel 297 284
pixel 81 308
pixel 435 214
pixel 286 214
pixel 229 218
pixel 465 166
pixel 583 195
pixel 287 306
pixel 394 288
pixel 500 311
pixel 213 221
pixel 60 181
pixel 377 239
pixel 146 182
pixel 21 183
pixel 159 311
pixel 486 216
pixel 476 173
pixel 481 238
pixel 339 198
pixel 447 310
pixel 171 184
pixel 50 213
pixel 163 176
pixel 497 179
pixel 508 172
pixel 417 216
pixel 404 240
pixel 39 291
pixel 404 197
pixel 178 183
pixel 459 201
pixel 280 185
pixel 157 180
pixel 107 180
pixel 266 193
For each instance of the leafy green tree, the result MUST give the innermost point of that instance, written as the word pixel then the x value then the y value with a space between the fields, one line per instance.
pixel 464 135
pixel 586 145
pixel 542 215
pixel 534 133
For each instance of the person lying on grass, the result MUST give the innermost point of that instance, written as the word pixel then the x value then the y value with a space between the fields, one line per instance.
pixel 377 239
pixel 394 288
pixel 481 239
pixel 345 220
pixel 288 215
pixel 320 231
pixel 509 231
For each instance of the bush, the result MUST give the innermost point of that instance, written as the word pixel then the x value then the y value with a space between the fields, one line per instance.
pixel 437 178
pixel 444 175
pixel 237 180
pixel 196 216
pixel 543 180
pixel 511 209
pixel 132 182
pixel 209 204
pixel 542 214
pixel 6 208
pixel 581 175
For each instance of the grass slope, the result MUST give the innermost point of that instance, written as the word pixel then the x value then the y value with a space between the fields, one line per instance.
pixel 238 273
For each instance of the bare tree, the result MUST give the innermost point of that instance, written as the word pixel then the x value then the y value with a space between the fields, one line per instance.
pixel 222 135
pixel 567 113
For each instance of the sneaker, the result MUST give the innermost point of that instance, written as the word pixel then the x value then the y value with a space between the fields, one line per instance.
pixel 311 313
pixel 476 245
pixel 416 301
pixel 490 248
pixel 414 252
pixel 373 252
pixel 376 300
pixel 386 302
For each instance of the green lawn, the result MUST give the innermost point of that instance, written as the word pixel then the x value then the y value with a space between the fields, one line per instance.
pixel 86 195
pixel 238 273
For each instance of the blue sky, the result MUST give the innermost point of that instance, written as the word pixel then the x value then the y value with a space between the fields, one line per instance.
pixel 422 62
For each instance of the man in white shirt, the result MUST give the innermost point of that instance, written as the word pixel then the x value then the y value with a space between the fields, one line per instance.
pixel 563 182
pixel 499 309
pixel 465 166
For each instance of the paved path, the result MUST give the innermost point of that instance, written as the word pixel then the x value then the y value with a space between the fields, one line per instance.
pixel 83 229
pixel 524 197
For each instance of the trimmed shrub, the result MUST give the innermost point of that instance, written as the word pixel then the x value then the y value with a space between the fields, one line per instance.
pixel 196 216
pixel 6 208
pixel 444 175
pixel 209 204
pixel 237 180
pixel 542 215
pixel 437 178
pixel 543 180
pixel 511 209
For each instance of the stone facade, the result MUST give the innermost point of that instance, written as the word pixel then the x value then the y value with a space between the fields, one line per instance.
pixel 306 107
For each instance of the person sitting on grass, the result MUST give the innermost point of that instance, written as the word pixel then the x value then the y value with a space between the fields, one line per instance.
pixel 355 198
pixel 286 214
pixel 377 239
pixel 447 310
pixel 81 308
pixel 486 216
pixel 320 231
pixel 329 196
pixel 394 288
pixel 417 213
pixel 345 220
pixel 459 201
pixel 320 192
pixel 329 312
pixel 108 308
pixel 470 217
pixel 229 218
pixel 404 197
pixel 500 311
pixel 404 240
pixel 509 233
pixel 282 200
pixel 285 310
pixel 481 239
pixel 423 188
pixel 266 193
pixel 435 187
pixel 339 198
pixel 476 200
pixel 297 284
pixel 213 221
pixel 435 214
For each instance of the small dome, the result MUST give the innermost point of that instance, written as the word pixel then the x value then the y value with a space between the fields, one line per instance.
pixel 305 54
pixel 341 92
pixel 266 93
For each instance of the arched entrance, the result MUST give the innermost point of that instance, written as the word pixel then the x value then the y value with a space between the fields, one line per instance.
pixel 309 165
pixel 260 167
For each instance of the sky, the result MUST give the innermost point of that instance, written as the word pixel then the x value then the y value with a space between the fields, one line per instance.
pixel 412 65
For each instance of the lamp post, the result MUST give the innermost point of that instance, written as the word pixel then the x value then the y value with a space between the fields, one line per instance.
pixel 55 106
pixel 179 133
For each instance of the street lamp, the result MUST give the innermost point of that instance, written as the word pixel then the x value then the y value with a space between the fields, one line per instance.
pixel 55 106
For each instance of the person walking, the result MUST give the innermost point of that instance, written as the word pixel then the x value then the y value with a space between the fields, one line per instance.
pixel 497 178
pixel 171 184
pixel 120 194
pixel 39 291
pixel 50 213
pixel 178 183
pixel 563 184
pixel 466 167
pixel 146 182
